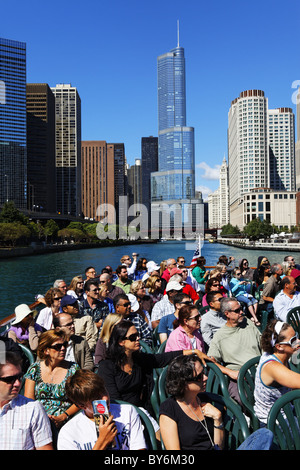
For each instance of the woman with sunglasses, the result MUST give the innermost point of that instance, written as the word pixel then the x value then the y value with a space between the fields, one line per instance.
pixel 188 421
pixel 52 299
pixel 273 376
pixel 186 333
pixel 46 378
pixel 128 372
pixel 76 287
pixel 240 290
pixel 246 271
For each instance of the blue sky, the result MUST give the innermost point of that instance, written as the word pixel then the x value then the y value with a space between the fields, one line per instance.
pixel 109 51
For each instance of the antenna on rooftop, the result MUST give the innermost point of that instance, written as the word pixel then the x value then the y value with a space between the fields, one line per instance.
pixel 177 33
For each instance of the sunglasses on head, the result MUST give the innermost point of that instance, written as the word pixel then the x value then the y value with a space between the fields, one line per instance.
pixel 12 378
pixel 132 337
pixel 58 346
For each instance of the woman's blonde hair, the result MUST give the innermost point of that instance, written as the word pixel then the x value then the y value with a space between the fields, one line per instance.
pixel 150 283
pixel 46 340
pixel 110 321
pixel 73 283
pixel 135 286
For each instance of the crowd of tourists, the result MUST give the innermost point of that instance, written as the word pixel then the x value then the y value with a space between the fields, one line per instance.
pixel 103 336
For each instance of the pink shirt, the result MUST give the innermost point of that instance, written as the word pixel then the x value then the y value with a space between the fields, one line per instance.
pixel 179 340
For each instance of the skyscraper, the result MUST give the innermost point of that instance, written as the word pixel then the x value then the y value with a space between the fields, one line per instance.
pixel 97 180
pixel 68 149
pixel 281 133
pixel 175 179
pixel 41 172
pixel 13 156
pixel 174 182
pixel 248 161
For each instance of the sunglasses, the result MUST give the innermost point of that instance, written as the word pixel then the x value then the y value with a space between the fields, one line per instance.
pixel 292 342
pixel 197 378
pixel 132 337
pixel 187 302
pixel 237 310
pixel 57 298
pixel 196 317
pixel 58 346
pixel 11 379
pixel 125 305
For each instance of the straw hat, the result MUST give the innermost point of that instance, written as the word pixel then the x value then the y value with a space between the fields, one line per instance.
pixel 21 311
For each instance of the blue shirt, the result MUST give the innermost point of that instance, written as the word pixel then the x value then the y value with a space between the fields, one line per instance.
pixel 166 324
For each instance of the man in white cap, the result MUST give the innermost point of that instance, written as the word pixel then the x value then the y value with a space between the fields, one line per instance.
pixel 152 268
pixel 165 306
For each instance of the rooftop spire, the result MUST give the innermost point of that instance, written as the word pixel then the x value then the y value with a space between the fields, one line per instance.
pixel 177 33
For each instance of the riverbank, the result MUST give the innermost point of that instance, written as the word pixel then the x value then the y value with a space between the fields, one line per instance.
pixel 41 249
pixel 269 245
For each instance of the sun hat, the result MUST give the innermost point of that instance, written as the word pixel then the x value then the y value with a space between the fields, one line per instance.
pixel 21 311
pixel 134 302
pixel 173 285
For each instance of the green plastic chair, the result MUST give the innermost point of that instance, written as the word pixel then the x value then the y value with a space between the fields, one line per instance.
pixel 145 347
pixel 216 383
pixel 156 342
pixel 235 424
pixel 293 319
pixel 258 291
pixel 203 310
pixel 284 421
pixel 245 383
pixel 149 431
pixel 31 360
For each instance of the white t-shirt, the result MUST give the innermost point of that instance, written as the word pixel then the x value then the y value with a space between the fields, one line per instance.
pixel 80 432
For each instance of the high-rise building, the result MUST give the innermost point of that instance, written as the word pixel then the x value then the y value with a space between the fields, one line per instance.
pixel 281 133
pixel 13 154
pixel 116 154
pixel 174 182
pixel 218 201
pixel 149 152
pixel 97 179
pixel 68 149
pixel 297 146
pixel 41 172
pixel 248 160
pixel 175 178
pixel 134 181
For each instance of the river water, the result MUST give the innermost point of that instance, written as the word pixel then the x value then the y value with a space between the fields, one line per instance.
pixel 22 278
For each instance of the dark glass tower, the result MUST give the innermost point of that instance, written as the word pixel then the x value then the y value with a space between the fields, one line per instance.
pixel 13 156
pixel 175 179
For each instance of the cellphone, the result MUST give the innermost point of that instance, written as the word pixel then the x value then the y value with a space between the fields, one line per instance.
pixel 100 408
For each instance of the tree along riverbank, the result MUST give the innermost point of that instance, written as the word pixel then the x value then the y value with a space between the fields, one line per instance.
pixel 40 249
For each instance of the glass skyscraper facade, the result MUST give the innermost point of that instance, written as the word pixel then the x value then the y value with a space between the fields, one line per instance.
pixel 175 178
pixel 13 156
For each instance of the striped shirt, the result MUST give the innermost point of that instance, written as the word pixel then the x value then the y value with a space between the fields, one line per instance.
pixel 24 425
